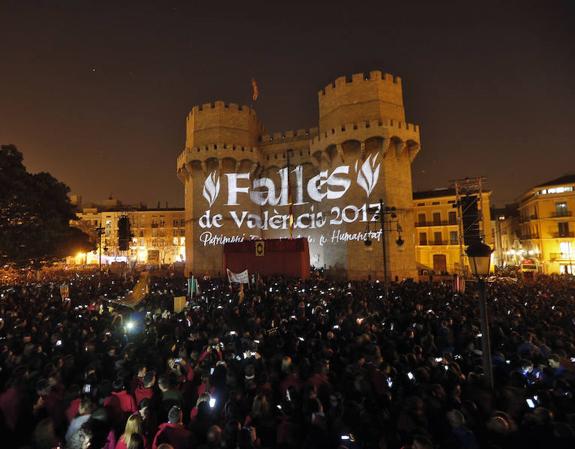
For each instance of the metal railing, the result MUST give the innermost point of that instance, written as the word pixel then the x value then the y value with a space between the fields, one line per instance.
pixel 559 235
pixel 566 213
pixel 528 236
pixel 438 242
pixel 561 256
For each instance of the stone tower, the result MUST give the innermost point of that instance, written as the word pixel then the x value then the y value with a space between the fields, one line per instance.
pixel 362 151
pixel 220 138
pixel 363 119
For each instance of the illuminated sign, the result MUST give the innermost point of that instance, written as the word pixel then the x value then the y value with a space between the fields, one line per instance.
pixel 290 189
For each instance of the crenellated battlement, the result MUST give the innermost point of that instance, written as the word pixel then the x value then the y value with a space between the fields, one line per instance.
pixel 222 147
pixel 360 78
pixel 363 96
pixel 389 123
pixel 289 136
pixel 216 151
pixel 222 107
pixel 368 128
pixel 222 122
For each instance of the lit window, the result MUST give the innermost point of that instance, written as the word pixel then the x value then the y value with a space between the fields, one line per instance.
pixel 566 250
pixel 553 190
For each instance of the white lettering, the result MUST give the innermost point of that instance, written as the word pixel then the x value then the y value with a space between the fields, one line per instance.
pixel 207 221
pixel 233 188
pixel 315 185
pixel 299 185
pixel 337 181
pixel 207 238
pixel 238 221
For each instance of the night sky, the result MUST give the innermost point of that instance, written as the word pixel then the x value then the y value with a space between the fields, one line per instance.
pixel 96 92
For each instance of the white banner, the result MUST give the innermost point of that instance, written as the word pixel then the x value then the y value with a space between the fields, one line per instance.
pixel 238 278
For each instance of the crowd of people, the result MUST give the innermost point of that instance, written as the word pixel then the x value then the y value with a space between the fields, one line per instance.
pixel 285 364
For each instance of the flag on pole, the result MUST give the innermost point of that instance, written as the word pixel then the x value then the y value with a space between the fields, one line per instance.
pixel 139 293
pixel 255 90
pixel 193 287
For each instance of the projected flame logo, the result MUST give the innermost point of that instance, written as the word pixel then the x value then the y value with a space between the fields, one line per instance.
pixel 368 174
pixel 211 188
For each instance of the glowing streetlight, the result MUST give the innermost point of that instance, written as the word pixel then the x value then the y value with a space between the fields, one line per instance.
pixel 479 255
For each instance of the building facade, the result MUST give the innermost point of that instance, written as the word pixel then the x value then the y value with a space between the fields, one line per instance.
pixel 506 238
pixel 547 225
pixel 320 183
pixel 158 236
pixel 437 228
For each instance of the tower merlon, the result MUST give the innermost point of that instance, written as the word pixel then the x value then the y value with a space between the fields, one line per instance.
pixel 372 128
pixel 356 78
pixel 286 136
pixel 222 106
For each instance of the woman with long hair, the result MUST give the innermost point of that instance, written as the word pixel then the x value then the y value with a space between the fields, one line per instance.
pixel 134 429
pixel 136 442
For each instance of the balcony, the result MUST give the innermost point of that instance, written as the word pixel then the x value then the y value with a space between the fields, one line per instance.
pixel 563 213
pixel 421 224
pixel 438 243
pixel 529 236
pixel 563 235
pixel 526 218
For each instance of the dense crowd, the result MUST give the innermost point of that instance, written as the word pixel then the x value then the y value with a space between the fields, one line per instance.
pixel 285 364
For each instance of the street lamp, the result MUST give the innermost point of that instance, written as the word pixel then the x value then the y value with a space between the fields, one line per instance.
pixel 479 255
pixel 100 233
pixel 382 212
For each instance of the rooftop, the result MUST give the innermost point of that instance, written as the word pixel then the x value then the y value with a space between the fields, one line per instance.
pixel 435 193
pixel 128 209
pixel 509 210
pixel 565 179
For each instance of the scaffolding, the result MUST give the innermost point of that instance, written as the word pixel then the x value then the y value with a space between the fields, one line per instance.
pixel 464 188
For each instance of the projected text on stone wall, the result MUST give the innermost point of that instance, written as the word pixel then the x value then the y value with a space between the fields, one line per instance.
pixel 291 202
